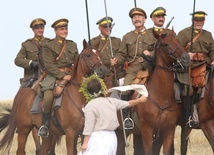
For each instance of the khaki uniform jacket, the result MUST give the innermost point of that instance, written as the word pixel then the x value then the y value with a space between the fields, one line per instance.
pixel 131 49
pixel 105 55
pixel 51 51
pixel 29 51
pixel 204 44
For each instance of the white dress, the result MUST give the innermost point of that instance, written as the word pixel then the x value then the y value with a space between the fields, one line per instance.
pixel 101 142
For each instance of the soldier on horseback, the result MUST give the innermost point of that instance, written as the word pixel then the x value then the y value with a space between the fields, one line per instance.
pixel 202 57
pixel 27 57
pixel 59 55
pixel 104 46
pixel 133 44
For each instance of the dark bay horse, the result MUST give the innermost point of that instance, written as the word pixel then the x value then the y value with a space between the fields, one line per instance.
pixel 205 114
pixel 70 115
pixel 158 116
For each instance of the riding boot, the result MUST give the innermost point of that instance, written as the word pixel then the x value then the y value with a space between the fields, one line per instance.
pixel 43 130
pixel 46 113
pixel 189 119
pixel 127 121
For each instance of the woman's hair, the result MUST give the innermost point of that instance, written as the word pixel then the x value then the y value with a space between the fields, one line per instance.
pixel 93 86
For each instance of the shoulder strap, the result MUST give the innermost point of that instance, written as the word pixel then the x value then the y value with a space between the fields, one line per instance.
pixel 60 54
pixel 194 39
pixel 104 47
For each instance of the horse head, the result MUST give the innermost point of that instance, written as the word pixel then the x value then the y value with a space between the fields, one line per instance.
pixel 168 44
pixel 89 63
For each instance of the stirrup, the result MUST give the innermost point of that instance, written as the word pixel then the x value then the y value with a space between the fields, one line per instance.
pixel 192 123
pixel 128 123
pixel 43 131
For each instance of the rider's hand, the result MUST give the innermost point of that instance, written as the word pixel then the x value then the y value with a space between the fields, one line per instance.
pixel 113 61
pixel 191 55
pixel 146 52
pixel 67 77
pixel 212 63
pixel 34 64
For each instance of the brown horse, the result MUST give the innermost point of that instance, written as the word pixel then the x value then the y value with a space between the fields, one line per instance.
pixel 69 117
pixel 206 116
pixel 158 116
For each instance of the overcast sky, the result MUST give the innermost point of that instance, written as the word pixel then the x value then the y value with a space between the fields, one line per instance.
pixel 16 16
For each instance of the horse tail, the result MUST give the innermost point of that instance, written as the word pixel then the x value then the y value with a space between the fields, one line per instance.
pixel 5 116
pixel 10 122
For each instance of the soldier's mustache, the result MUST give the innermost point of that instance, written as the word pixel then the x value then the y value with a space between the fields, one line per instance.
pixel 137 21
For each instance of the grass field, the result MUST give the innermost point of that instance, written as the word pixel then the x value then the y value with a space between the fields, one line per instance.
pixel 198 145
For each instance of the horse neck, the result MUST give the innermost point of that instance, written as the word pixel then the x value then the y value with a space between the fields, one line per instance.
pixel 79 73
pixel 161 80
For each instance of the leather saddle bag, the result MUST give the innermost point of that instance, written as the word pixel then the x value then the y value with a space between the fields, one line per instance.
pixel 142 77
pixel 198 75
pixel 59 87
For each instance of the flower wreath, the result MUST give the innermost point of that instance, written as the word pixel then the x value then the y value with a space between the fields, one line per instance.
pixel 84 90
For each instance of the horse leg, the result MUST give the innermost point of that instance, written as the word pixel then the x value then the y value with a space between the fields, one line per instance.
pixel 120 142
pixel 207 129
pixel 156 146
pixel 71 143
pixel 137 142
pixel 147 140
pixel 185 131
pixel 22 139
pixel 168 142
pixel 36 139
pixel 46 145
pixel 53 144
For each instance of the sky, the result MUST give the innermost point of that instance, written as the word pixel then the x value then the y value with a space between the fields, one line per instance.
pixel 16 16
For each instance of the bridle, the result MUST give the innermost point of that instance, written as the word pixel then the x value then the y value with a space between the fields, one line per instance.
pixel 172 67
pixel 88 62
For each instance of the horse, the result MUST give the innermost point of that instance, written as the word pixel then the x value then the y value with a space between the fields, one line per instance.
pixel 205 114
pixel 68 119
pixel 157 118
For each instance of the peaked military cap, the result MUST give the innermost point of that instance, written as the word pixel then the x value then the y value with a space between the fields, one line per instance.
pixel 104 21
pixel 199 15
pixel 158 11
pixel 137 11
pixel 37 21
pixel 63 22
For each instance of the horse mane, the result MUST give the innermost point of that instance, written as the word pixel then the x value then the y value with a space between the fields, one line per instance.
pixel 74 68
pixel 211 85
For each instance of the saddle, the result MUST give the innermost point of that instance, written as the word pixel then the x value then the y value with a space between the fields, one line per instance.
pixel 142 77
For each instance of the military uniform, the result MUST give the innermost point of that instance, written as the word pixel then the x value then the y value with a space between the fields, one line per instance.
pixel 203 49
pixel 29 52
pixel 51 52
pixel 131 49
pixel 106 54
pixel 102 44
pixel 204 44
pixel 59 55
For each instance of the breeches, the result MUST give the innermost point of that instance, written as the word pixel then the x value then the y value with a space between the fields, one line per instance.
pixel 47 101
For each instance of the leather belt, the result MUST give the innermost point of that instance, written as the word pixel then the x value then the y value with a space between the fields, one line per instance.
pixel 199 56
pixel 65 69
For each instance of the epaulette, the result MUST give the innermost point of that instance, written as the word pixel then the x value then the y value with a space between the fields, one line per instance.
pixel 30 39
pixel 70 40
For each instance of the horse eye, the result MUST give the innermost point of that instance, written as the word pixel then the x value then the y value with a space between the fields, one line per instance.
pixel 88 55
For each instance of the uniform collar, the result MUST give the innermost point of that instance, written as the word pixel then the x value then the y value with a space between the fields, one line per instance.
pixel 103 38
pixel 38 39
pixel 141 32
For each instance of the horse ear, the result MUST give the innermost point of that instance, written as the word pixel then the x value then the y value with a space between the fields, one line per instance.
pixel 85 45
pixel 171 32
